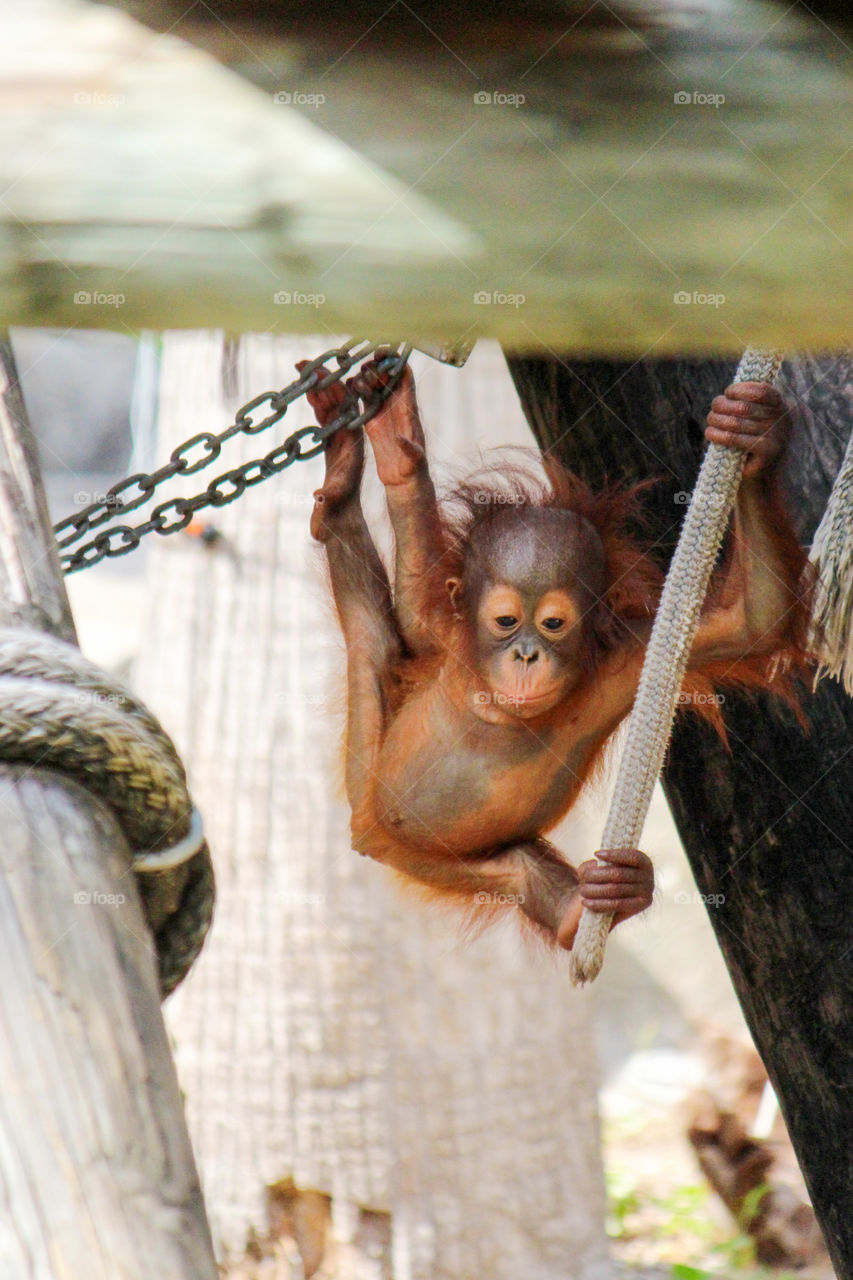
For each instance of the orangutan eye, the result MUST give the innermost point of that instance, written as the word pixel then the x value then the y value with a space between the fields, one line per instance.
pixel 552 624
pixel 506 621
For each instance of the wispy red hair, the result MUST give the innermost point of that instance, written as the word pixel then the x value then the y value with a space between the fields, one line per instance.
pixel 633 580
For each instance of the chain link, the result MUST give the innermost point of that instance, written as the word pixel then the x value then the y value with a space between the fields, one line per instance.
pixel 203 449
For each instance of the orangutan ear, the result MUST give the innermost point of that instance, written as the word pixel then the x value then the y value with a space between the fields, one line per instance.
pixel 454 586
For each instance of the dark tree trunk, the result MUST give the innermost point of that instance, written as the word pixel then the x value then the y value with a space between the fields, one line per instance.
pixel 770 825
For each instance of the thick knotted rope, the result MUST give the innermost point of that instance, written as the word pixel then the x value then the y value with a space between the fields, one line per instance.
pixel 665 663
pixel 60 711
pixel 831 638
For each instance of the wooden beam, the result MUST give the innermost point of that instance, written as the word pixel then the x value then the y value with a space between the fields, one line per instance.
pixel 640 177
pixel 97 1173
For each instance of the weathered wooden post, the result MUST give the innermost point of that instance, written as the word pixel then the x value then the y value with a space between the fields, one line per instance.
pixel 96 1169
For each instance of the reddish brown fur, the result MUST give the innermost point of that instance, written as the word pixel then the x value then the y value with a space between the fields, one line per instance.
pixel 634 585
pixel 634 580
pixel 477 706
pixel 786 670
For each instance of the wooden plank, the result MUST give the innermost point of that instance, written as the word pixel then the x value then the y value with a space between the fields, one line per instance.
pixel 583 199
pixel 95 1163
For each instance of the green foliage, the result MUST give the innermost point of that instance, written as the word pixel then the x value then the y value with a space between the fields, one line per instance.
pixel 683 1212
pixel 751 1203
pixel 686 1208
pixel 622 1200
pixel 738 1252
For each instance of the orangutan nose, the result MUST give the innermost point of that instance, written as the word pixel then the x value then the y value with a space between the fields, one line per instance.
pixel 526 653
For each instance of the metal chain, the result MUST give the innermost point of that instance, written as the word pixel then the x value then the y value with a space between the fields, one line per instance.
pixel 201 450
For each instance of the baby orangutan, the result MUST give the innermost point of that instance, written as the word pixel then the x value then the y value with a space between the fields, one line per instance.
pixel 482 692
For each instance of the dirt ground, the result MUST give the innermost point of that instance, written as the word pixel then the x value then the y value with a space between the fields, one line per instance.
pixel 663 1214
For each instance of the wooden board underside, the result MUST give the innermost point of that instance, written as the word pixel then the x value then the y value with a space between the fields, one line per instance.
pixel 593 210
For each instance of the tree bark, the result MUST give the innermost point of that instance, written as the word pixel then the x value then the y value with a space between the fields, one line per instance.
pixel 96 1170
pixel 767 826
pixel 336 1037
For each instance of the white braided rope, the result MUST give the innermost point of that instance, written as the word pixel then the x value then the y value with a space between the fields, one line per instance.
pixel 666 659
pixel 831 634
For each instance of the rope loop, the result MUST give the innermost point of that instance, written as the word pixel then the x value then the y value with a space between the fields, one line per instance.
pixel 59 710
